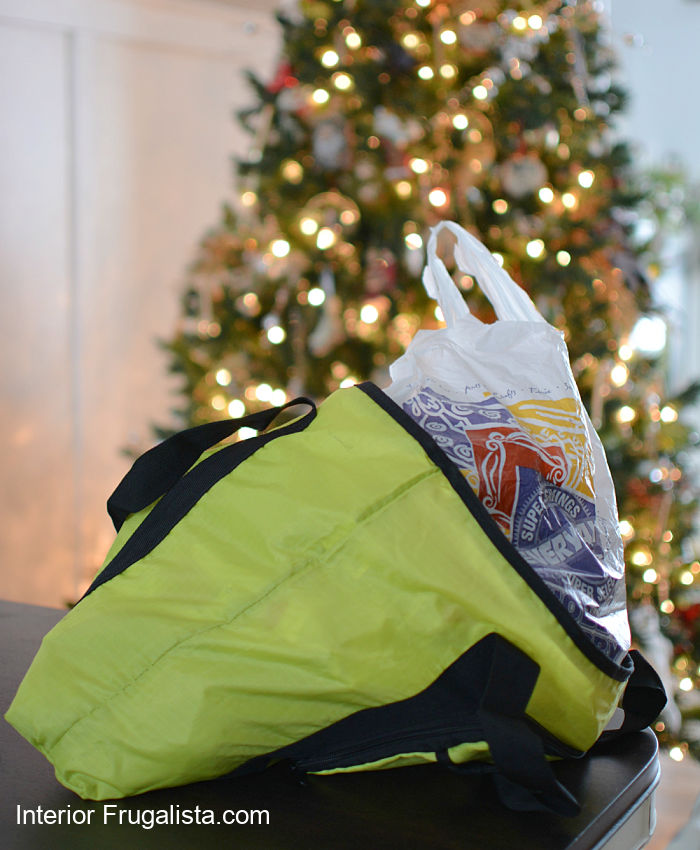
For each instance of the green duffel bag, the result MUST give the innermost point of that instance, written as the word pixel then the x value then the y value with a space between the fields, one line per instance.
pixel 330 592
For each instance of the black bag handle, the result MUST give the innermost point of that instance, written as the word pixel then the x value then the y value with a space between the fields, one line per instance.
pixel 189 488
pixel 525 780
pixel 160 468
pixel 643 700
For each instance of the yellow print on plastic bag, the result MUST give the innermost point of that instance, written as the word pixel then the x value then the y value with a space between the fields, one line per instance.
pixel 560 423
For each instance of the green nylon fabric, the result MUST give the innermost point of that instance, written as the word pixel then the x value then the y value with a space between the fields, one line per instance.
pixel 334 570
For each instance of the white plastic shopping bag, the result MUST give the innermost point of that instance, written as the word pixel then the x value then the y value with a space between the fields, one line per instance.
pixel 501 402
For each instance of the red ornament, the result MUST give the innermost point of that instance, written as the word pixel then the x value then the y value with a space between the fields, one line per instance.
pixel 284 79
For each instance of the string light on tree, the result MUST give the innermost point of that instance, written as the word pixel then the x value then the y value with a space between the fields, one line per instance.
pixel 316 296
pixel 619 374
pixel 329 58
pixel 535 248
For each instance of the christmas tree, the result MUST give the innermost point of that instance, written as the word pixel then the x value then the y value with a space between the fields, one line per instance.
pixel 386 116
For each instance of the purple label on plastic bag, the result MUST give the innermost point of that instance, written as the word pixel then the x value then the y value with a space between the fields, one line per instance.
pixel 552 527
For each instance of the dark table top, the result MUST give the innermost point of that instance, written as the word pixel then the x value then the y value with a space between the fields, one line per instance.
pixel 412 807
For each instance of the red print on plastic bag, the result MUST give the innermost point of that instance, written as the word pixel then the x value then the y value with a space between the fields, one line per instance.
pixel 498 451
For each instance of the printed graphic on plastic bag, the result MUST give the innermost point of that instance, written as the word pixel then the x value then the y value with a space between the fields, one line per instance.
pixel 527 463
pixel 501 401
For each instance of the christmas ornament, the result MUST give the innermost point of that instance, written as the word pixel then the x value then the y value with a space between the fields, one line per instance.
pixel 388 125
pixel 331 209
pixel 522 173
pixel 381 270
pixel 330 146
pixel 480 37
pixel 284 78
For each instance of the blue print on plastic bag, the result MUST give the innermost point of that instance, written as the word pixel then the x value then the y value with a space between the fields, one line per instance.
pixel 552 527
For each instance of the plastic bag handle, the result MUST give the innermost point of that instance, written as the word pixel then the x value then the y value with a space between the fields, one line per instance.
pixel 509 300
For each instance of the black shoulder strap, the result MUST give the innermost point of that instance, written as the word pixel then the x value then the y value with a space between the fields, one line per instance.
pixel 156 471
pixel 147 481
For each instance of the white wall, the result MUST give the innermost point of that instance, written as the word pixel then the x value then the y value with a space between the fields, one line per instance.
pixel 658 46
pixel 116 137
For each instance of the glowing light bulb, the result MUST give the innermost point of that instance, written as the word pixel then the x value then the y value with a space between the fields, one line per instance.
pixel 642 558
pixel 448 37
pixel 223 377
pixel 369 314
pixel 563 258
pixel 480 92
pixel 329 58
pixel 276 334
pixel 278 397
pixel 280 248
pixel 625 352
pixel 439 315
pixel 649 335
pixel 292 171
pixel 619 374
pixel 448 71
pixel 326 237
pixel 425 72
pixel 403 189
pixel 316 296
pixel 650 576
pixel 263 392
pixel 218 402
pixel 687 577
pixel 669 414
pixel 353 40
pixel 251 301
pixel 320 96
pixel 626 414
pixel 626 529
pixel 248 199
pixel 535 22
pixel 586 179
pixel 414 241
pixel 500 206
pixel 667 607
pixel 419 166
pixel 308 226
pixel 460 121
pixel 423 3
pixel 546 195
pixel 347 382
pixel 686 684
pixel 246 433
pixel 676 753
pixel 519 23
pixel 236 409
pixel 410 40
pixel 343 82
pixel 499 258
pixel 569 200
pixel 437 197
pixel 535 248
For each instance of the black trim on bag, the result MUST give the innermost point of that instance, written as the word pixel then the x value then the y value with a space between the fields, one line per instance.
pixel 482 696
pixel 189 489
pixel 620 672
